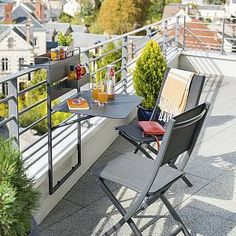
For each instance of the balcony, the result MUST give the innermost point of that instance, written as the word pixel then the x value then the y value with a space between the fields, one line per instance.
pixel 78 207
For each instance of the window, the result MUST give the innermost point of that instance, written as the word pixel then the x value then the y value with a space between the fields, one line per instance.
pixel 4 64
pixel 11 43
pixel 21 61
pixel 35 41
pixel 4 89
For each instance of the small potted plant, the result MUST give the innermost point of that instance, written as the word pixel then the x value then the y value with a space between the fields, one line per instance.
pixel 148 75
pixel 66 41
pixel 18 198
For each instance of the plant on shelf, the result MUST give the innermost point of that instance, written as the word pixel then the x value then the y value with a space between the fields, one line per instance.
pixel 18 198
pixel 148 75
pixel 65 39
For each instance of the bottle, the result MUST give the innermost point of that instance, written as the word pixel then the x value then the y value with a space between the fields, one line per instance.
pixel 110 82
pixel 61 52
pixel 72 74
pixel 53 54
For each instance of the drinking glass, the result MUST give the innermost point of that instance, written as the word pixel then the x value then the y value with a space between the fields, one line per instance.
pixel 102 94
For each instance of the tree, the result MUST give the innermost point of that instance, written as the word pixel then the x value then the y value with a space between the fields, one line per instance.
pixel 156 9
pixel 109 59
pixel 119 16
pixel 148 74
pixel 64 18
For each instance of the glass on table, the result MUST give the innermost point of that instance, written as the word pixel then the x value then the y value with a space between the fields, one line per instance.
pixel 102 94
pixel 102 98
pixel 94 88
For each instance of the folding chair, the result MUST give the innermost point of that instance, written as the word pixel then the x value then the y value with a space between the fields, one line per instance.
pixel 134 134
pixel 151 179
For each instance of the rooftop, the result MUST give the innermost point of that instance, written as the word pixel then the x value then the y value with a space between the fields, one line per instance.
pixel 207 208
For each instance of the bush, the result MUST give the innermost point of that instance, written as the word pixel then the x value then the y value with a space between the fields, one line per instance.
pixel 148 74
pixel 18 198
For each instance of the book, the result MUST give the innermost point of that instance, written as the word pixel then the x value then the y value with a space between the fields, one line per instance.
pixel 77 104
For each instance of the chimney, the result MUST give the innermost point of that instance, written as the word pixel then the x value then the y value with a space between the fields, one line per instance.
pixel 8 13
pixel 187 9
pixel 39 11
pixel 28 27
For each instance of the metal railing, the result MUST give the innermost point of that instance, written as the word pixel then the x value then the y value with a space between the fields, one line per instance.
pixel 172 34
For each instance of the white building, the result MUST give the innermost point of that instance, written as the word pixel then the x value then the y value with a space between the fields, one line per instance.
pixel 21 39
pixel 196 2
pixel 230 7
pixel 212 12
pixel 71 8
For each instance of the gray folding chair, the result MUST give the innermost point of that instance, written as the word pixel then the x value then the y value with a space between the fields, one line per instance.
pixel 151 179
pixel 134 134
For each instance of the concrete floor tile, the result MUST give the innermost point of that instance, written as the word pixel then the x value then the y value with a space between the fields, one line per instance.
pixel 62 210
pixel 218 198
pixel 86 190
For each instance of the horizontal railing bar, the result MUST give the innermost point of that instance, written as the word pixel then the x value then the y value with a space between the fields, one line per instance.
pixel 32 106
pixel 230 38
pixel 17 74
pixel 132 62
pixel 32 125
pixel 53 146
pixel 105 54
pixel 98 70
pixel 38 140
pixel 159 23
pixel 55 136
pixel 6 99
pixel 5 121
pixel 72 122
pixel 31 87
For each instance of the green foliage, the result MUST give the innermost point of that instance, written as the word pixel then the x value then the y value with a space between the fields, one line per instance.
pixel 87 11
pixel 119 16
pixel 65 40
pixel 39 111
pixel 95 28
pixel 156 9
pixel 3 108
pixel 216 2
pixel 18 198
pixel 64 18
pixel 148 74
pixel 108 59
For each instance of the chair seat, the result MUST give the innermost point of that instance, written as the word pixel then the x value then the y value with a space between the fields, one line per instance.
pixel 134 132
pixel 132 171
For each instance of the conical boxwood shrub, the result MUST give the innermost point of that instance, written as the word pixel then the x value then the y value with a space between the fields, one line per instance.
pixel 148 74
pixel 18 198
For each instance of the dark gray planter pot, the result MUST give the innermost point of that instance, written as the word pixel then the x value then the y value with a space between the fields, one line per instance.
pixel 143 113
pixel 34 228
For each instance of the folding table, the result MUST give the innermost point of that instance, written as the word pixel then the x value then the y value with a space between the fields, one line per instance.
pixel 119 108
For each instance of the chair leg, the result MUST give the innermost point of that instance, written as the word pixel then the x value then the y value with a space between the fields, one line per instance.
pixel 187 181
pixel 184 178
pixel 174 214
pixel 120 208
pixel 137 148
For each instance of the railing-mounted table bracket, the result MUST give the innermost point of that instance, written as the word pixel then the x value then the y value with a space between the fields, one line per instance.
pixel 72 122
pixel 58 85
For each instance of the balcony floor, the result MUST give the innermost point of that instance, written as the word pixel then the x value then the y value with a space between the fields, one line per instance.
pixel 208 208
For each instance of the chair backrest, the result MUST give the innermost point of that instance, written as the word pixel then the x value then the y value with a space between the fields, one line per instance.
pixel 194 95
pixel 184 133
pixel 180 137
